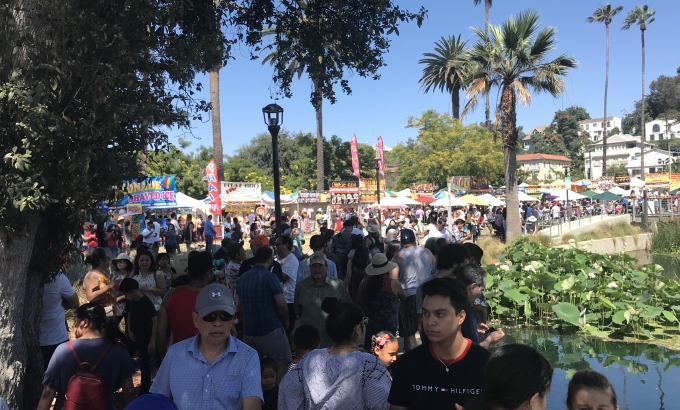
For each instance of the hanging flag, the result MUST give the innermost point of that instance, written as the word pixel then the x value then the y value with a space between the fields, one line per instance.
pixel 354 150
pixel 213 188
pixel 380 155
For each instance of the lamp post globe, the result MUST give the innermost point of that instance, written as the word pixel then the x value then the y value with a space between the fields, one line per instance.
pixel 273 118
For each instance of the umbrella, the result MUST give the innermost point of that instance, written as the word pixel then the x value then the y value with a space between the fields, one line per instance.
pixel 637 182
pixel 607 196
pixel 526 198
pixel 471 199
pixel 619 191
pixel 425 199
pixel 491 200
pixel 589 193
pixel 390 193
pixel 582 182
pixel 445 202
pixel 673 192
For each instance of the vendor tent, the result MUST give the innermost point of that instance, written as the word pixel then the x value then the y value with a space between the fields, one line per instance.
pixel 490 199
pixel 607 196
pixel 589 193
pixel 636 182
pixel 619 191
pixel 526 198
pixel 425 199
pixel 445 202
pixel 561 195
pixel 471 199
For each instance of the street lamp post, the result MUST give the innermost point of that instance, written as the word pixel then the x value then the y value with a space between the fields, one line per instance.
pixel 567 186
pixel 273 117
pixel 377 187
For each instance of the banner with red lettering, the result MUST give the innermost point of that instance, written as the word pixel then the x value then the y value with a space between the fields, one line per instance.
pixel 380 155
pixel 354 150
pixel 213 188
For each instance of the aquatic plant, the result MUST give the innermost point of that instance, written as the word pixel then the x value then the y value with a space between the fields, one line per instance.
pixel 666 239
pixel 604 295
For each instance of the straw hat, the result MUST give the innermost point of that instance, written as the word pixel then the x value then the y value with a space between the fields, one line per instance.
pixel 373 228
pixel 124 257
pixel 379 265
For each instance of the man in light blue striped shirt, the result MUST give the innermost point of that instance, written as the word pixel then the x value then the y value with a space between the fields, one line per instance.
pixel 211 370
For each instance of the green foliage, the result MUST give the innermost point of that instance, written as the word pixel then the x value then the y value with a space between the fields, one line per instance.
pixel 445 147
pixel 83 86
pixel 610 133
pixel 600 293
pixel 666 239
pixel 189 168
pixel 253 162
pixel 615 230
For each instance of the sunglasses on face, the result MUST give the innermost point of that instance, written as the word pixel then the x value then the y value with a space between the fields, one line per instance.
pixel 211 317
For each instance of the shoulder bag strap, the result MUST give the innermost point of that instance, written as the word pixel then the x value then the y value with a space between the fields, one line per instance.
pixel 102 356
pixel 75 355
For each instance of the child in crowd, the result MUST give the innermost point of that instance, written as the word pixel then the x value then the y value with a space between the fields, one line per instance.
pixel 385 345
pixel 590 390
pixel 141 321
pixel 305 339
pixel 270 391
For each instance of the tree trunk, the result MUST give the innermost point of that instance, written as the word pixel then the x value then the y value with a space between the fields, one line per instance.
pixel 642 114
pixel 318 98
pixel 218 154
pixel 487 104
pixel 20 304
pixel 509 133
pixel 455 102
pixel 487 6
pixel 606 85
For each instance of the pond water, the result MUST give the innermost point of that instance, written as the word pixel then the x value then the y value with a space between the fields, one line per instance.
pixel 671 264
pixel 644 376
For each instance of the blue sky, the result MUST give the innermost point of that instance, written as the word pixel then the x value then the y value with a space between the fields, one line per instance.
pixel 382 107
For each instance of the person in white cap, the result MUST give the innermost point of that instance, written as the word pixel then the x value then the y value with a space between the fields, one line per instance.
pixel 212 369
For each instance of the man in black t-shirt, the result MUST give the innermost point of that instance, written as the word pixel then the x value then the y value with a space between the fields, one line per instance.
pixel 256 243
pixel 140 320
pixel 222 252
pixel 450 368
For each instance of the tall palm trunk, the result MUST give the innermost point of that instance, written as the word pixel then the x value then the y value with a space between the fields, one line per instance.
pixel 455 101
pixel 606 86
pixel 218 154
pixel 487 91
pixel 318 106
pixel 643 27
pixel 508 107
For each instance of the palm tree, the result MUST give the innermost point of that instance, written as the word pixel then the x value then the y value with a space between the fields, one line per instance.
pixel 514 56
pixel 218 155
pixel 487 108
pixel 641 15
pixel 446 69
pixel 605 14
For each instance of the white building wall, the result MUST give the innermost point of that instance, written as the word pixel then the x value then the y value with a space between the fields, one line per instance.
pixel 595 127
pixel 656 130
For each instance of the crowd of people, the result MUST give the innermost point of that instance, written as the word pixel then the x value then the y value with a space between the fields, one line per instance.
pixel 386 313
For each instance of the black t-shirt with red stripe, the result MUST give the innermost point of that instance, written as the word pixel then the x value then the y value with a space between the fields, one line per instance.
pixel 422 382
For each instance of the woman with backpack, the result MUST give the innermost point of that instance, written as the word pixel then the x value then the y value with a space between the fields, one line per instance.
pixel 89 369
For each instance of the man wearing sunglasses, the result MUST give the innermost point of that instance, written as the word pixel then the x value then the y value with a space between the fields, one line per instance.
pixel 211 369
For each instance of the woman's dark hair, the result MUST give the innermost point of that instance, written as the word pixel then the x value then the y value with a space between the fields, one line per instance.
pixel 253 226
pixel 342 319
pixel 392 249
pixel 162 255
pixel 475 251
pixel 440 242
pixel 450 255
pixel 328 235
pixel 361 257
pixel 513 375
pixel 95 315
pixel 306 337
pixel 152 268
pixel 199 264
pixel 97 257
pixel 588 379
pixel 268 363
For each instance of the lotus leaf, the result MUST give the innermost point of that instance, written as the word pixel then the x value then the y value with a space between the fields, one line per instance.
pixel 567 312
pixel 568 283
pixel 606 302
pixel 619 317
pixel 669 316
pixel 515 295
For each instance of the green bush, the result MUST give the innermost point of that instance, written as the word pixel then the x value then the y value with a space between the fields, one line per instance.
pixel 666 239
pixel 602 294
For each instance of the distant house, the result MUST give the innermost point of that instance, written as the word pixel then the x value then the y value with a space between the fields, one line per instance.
pixel 622 149
pixel 656 130
pixel 655 160
pixel 526 141
pixel 543 166
pixel 595 127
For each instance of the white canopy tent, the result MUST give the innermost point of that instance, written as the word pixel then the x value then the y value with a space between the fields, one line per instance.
pixel 404 192
pixel 562 195
pixel 636 182
pixel 526 198
pixel 619 191
pixel 491 200
pixel 445 202
pixel 395 202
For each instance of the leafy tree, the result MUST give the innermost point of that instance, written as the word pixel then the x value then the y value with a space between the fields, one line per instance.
pixel 641 15
pixel 514 55
pixel 189 169
pixel 443 148
pixel 614 131
pixel 605 14
pixel 631 122
pixel 83 86
pixel 447 69
pixel 618 170
pixel 327 39
pixel 664 94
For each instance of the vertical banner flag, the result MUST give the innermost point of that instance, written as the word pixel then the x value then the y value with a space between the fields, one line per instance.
pixel 354 150
pixel 380 155
pixel 213 188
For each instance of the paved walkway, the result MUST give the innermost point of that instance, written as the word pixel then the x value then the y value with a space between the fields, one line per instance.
pixel 580 225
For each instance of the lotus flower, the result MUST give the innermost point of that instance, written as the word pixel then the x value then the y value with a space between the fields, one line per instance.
pixel 612 285
pixel 504 267
pixel 591 275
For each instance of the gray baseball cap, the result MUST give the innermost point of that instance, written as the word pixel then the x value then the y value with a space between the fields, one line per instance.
pixel 214 298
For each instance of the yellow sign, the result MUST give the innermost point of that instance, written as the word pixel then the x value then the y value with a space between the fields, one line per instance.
pixel 133 208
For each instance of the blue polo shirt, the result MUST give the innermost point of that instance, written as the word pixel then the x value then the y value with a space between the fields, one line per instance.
pixel 208 228
pixel 191 383
pixel 256 289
